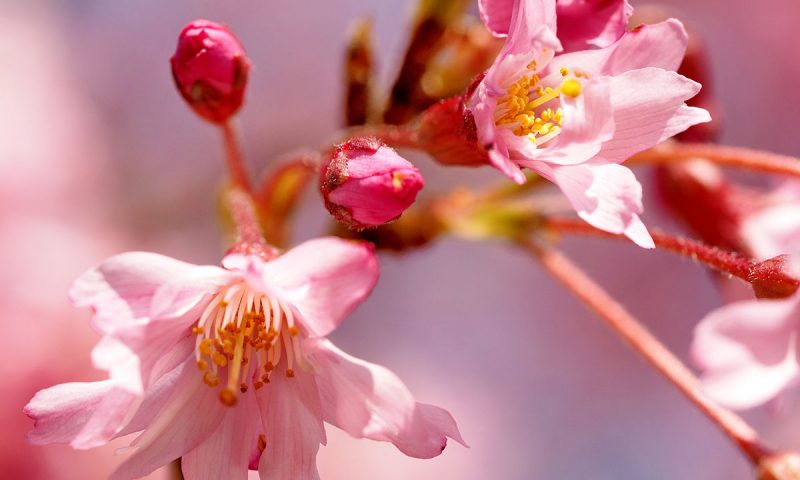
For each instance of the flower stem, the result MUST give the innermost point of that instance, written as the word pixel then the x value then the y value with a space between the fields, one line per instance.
pixel 249 238
pixel 737 157
pixel 645 344
pixel 234 158
pixel 769 278
pixel 721 260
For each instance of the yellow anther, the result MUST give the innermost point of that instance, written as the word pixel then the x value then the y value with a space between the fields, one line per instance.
pixel 571 87
pixel 564 71
pixel 205 346
pixel 293 331
pixel 219 359
pixel 202 364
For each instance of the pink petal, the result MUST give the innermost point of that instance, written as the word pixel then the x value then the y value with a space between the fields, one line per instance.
pixel 496 15
pixel 121 289
pixel 662 45
pixel 607 196
pixel 324 278
pixel 292 420
pixel 226 453
pixel 748 351
pixel 369 401
pixel 506 166
pixel 156 397
pixel 132 353
pixel 649 108
pixel 85 415
pixel 584 24
pixel 190 417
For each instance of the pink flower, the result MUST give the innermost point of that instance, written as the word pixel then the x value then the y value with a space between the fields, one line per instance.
pixel 573 118
pixel 210 69
pixel 748 351
pixel 582 24
pixel 267 376
pixel 367 184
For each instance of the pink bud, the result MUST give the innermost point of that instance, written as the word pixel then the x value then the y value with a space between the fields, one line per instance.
pixel 210 69
pixel 367 184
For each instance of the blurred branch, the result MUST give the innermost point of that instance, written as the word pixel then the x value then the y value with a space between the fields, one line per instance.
pixel 646 345
pixel 432 19
pixel 358 74
pixel 737 157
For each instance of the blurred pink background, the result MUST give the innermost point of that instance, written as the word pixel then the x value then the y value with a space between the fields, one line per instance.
pixel 99 155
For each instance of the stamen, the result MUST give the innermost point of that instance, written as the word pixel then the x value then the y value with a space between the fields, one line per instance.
pixel 523 108
pixel 245 333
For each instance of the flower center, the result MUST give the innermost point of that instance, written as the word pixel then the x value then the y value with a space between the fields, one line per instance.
pixel 524 107
pixel 241 338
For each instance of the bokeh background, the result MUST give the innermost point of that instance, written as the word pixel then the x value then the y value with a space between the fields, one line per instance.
pixel 99 155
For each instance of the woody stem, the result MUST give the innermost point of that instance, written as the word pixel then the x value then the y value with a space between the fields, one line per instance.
pixel 646 345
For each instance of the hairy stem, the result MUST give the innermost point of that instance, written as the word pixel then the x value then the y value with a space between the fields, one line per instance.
pixel 769 278
pixel 736 157
pixel 249 238
pixel 646 345
pixel 716 258
pixel 234 157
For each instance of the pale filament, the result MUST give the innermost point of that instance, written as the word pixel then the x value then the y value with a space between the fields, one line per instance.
pixel 241 338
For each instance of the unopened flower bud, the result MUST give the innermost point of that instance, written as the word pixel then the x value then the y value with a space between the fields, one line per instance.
pixel 447 132
pixel 210 70
pixel 366 183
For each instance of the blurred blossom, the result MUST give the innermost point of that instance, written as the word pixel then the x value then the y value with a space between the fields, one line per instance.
pixel 749 351
pixel 53 185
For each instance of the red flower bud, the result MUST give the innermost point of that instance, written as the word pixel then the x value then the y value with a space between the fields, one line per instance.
pixel 366 183
pixel 447 132
pixel 210 70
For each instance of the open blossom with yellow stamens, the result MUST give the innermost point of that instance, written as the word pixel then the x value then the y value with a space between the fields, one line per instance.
pixel 229 369
pixel 575 117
